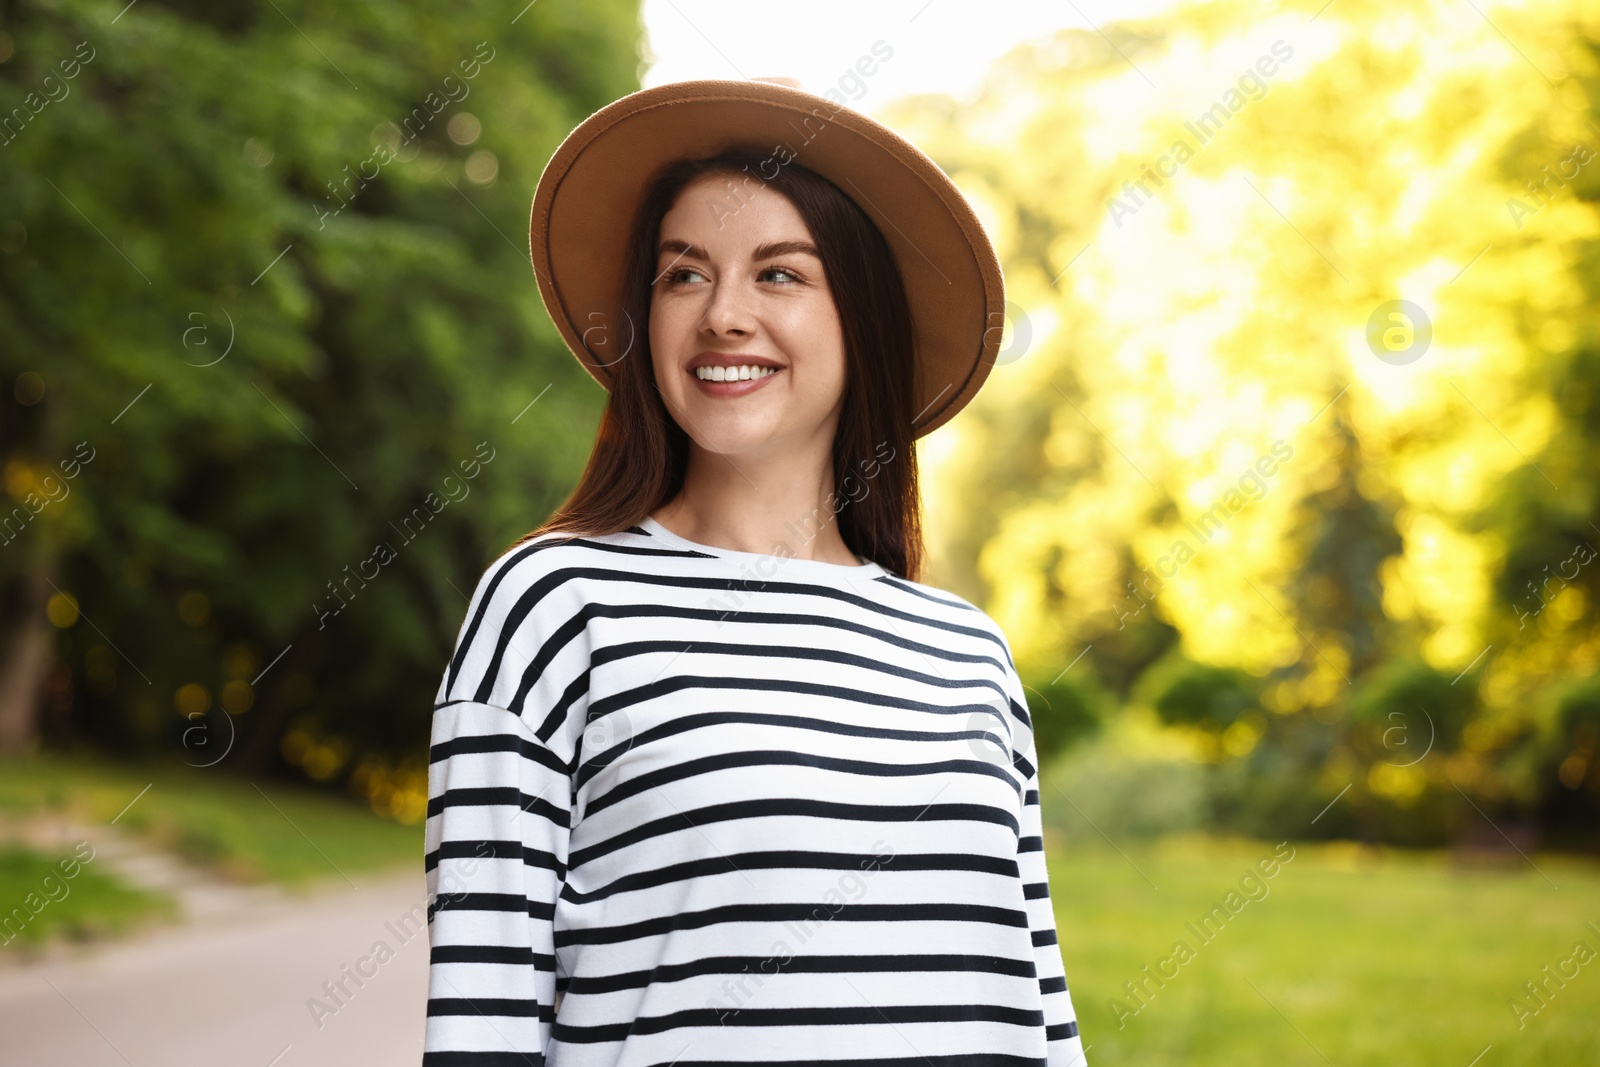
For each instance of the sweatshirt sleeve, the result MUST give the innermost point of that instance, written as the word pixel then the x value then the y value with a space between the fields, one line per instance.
pixel 1064 1044
pixel 1061 1021
pixel 498 821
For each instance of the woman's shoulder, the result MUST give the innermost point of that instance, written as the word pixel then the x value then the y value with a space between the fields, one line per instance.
pixel 556 555
pixel 949 608
pixel 523 610
pixel 971 630
pixel 932 593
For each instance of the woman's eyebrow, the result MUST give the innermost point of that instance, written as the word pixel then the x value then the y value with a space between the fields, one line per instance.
pixel 683 248
pixel 767 251
pixel 786 248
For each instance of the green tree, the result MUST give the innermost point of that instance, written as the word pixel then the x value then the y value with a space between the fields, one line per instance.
pixel 265 277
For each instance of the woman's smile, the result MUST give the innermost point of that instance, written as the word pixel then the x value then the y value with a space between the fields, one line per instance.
pixel 732 374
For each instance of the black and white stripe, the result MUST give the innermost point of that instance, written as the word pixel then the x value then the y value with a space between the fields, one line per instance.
pixel 733 808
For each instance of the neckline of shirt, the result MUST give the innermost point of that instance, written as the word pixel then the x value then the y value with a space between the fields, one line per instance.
pixel 763 562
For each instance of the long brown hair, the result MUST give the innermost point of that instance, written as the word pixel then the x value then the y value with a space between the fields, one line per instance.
pixel 641 454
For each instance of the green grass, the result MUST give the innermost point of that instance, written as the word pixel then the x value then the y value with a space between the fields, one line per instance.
pixel 1363 956
pixel 50 896
pixel 250 831
pixel 1374 957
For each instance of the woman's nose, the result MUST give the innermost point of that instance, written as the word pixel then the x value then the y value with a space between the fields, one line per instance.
pixel 728 310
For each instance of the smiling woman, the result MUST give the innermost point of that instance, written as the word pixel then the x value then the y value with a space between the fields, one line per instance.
pixel 748 790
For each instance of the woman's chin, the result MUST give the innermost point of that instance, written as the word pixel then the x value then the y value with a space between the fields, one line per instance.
pixel 732 436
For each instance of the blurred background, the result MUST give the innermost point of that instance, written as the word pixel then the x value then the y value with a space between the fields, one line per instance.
pixel 1285 492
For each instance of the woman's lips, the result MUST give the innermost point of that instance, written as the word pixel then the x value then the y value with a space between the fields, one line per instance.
pixel 733 388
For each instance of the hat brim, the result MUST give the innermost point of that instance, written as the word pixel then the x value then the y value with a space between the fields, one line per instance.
pixel 586 197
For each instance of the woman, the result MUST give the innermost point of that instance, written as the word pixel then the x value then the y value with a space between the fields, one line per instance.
pixel 711 772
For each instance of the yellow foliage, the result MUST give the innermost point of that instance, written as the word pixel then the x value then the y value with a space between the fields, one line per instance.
pixel 1190 309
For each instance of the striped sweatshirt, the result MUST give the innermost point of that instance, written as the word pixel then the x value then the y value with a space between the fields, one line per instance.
pixel 693 806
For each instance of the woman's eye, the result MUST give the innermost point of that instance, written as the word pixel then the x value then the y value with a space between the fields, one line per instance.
pixel 676 277
pixel 682 275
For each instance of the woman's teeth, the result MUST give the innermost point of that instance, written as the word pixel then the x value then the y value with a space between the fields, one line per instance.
pixel 730 374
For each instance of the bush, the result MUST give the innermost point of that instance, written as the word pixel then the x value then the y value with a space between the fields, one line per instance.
pixel 1564 764
pixel 1124 795
pixel 1065 712
pixel 1187 693
pixel 1409 709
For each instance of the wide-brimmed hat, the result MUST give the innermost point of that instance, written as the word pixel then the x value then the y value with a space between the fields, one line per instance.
pixel 584 206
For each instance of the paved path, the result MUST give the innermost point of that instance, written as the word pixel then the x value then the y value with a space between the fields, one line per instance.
pixel 254 977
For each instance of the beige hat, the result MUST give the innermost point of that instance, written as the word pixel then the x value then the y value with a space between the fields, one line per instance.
pixel 585 202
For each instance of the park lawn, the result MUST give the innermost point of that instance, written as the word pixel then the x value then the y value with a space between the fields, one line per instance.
pixel 49 896
pixel 249 830
pixel 1350 956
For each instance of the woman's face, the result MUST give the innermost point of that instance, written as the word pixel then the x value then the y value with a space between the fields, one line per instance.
pixel 738 285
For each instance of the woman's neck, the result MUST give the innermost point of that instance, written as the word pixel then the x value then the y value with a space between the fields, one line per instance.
pixel 776 505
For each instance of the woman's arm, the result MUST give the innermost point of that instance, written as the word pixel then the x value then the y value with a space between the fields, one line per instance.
pixel 1061 1021
pixel 1064 1044
pixel 496 841
pixel 500 804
